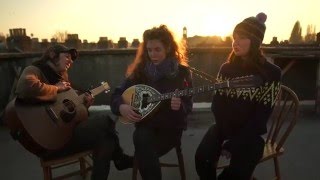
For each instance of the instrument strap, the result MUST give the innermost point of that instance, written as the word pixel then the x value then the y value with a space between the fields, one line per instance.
pixel 203 75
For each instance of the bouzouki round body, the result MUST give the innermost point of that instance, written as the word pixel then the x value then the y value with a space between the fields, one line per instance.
pixel 136 96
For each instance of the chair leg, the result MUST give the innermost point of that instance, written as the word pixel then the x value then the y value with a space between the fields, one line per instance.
pixel 276 168
pixel 83 171
pixel 181 163
pixel 135 169
pixel 47 174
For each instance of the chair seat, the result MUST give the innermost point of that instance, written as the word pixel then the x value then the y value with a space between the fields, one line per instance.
pixel 81 158
pixel 270 152
pixel 64 159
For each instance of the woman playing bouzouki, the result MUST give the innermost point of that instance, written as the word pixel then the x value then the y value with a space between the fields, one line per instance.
pixel 161 64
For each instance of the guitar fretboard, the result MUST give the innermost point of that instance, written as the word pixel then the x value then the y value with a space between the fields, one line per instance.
pixel 189 91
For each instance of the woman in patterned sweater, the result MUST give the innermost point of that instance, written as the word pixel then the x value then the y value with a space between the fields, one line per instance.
pixel 241 114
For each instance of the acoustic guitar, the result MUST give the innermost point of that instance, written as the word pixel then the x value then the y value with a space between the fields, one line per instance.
pixel 48 126
pixel 146 99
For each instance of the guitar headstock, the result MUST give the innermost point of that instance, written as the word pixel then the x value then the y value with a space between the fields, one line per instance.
pixel 246 82
pixel 106 86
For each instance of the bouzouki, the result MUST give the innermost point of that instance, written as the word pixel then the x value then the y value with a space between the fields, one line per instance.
pixel 146 99
pixel 49 125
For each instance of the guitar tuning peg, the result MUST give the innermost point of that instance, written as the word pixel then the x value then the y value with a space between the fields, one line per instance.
pixel 107 91
pixel 102 82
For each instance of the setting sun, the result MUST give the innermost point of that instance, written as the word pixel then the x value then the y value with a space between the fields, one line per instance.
pixel 216 26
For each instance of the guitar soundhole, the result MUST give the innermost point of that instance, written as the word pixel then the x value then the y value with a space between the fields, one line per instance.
pixel 69 111
pixel 144 100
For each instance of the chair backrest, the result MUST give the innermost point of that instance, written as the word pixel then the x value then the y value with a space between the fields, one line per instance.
pixel 283 117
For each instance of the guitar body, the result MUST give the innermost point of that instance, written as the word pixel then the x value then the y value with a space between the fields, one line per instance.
pixel 49 125
pixel 18 132
pixel 136 96
pixel 42 127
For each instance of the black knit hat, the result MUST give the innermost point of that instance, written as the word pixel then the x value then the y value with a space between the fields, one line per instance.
pixel 253 27
pixel 58 48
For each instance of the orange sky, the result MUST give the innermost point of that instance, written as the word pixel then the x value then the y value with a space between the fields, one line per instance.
pixel 127 18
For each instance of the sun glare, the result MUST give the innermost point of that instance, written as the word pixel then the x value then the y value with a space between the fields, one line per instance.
pixel 216 26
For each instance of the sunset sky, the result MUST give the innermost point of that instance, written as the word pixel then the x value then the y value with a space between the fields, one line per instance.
pixel 129 18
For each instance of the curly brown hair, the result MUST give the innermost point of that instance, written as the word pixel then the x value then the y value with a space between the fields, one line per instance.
pixel 165 36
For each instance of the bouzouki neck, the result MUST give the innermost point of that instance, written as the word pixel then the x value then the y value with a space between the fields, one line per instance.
pixel 184 92
pixel 242 82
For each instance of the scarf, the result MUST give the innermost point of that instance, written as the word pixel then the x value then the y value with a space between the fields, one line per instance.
pixel 52 76
pixel 167 68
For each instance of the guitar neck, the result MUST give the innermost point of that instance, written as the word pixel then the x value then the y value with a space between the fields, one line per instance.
pixel 189 91
pixel 95 91
pixel 98 90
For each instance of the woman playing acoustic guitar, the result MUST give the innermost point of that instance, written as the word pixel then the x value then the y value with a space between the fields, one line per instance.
pixel 161 64
pixel 42 82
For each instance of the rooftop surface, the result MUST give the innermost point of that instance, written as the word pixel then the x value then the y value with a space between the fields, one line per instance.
pixel 299 162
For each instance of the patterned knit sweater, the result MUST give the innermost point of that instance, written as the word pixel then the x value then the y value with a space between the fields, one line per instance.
pixel 243 113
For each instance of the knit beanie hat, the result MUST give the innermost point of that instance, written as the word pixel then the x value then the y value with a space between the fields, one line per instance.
pixel 253 27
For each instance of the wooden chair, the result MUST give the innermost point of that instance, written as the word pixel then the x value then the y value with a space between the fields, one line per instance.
pixel 283 120
pixel 83 159
pixel 180 164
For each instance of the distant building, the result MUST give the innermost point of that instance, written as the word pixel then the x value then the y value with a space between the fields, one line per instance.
pixel 103 43
pixel 85 44
pixel 18 41
pixel 185 35
pixel 135 43
pixel 274 42
pixel 3 47
pixel 284 43
pixel 54 41
pixel 44 44
pixel 73 41
pixel 122 43
pixel 35 45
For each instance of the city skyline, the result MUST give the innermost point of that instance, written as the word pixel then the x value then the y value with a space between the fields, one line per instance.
pixel 123 18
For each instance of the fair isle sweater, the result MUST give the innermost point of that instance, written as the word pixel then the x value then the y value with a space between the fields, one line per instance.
pixel 243 113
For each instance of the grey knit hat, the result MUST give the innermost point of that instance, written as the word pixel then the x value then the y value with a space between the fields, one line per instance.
pixel 253 27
